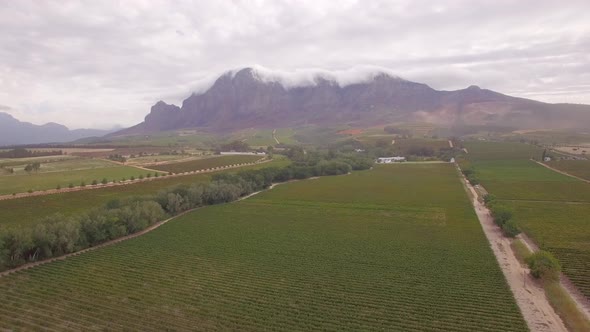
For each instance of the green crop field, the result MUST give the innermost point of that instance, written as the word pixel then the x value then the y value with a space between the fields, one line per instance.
pixel 550 207
pixel 200 164
pixel 65 163
pixel 28 210
pixel 579 168
pixel 18 183
pixel 395 248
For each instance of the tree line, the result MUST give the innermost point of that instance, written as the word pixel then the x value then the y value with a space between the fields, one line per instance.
pixel 24 153
pixel 58 234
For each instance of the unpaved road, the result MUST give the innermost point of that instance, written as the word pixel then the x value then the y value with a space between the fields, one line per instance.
pixel 530 297
pixel 562 172
pixel 450 144
pixel 274 136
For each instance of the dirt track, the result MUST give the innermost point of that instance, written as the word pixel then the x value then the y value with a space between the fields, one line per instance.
pixel 529 295
pixel 128 182
pixel 562 172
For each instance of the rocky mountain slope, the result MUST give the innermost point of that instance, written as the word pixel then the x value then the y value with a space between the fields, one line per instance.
pixel 250 98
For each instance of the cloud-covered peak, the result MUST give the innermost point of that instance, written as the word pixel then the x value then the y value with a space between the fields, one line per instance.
pixel 309 76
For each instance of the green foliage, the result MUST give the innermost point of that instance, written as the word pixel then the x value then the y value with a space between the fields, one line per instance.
pixel 383 257
pixel 30 191
pixel 201 164
pixel 543 265
pixel 501 214
pixel 141 176
pixel 24 153
pixel 489 199
pixel 510 228
pixel 71 185
pixel 104 181
pixel 237 146
pixel 94 182
pixel 82 184
pixel 58 187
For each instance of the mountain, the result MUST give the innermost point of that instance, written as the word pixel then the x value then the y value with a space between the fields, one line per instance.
pixel 14 132
pixel 252 97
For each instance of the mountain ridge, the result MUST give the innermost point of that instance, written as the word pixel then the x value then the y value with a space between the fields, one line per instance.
pixel 253 98
pixel 15 132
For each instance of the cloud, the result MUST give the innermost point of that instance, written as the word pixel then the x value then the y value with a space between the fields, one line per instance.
pixel 105 62
pixel 5 108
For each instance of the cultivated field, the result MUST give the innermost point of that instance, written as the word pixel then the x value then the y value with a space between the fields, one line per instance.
pixel 550 207
pixel 579 168
pixel 199 164
pixel 28 210
pixel 395 248
pixel 56 174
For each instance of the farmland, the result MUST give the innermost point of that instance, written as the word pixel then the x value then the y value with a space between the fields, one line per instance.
pixel 579 168
pixel 28 210
pixel 371 255
pixel 80 170
pixel 199 164
pixel 550 207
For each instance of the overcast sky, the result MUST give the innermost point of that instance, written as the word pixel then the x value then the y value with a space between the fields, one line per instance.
pixel 101 63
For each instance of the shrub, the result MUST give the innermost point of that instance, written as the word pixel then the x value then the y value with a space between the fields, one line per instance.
pixel 104 181
pixel 488 198
pixel 149 175
pixel 71 185
pixel 82 184
pixel 510 228
pixel 94 182
pixel 157 175
pixel 30 191
pixel 58 187
pixel 140 176
pixel 132 178
pixel 544 266
pixel 501 215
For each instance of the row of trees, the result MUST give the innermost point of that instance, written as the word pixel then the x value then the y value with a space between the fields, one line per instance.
pixel 24 153
pixel 58 235
pixel 542 264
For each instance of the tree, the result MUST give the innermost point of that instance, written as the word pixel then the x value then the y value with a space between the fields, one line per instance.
pixel 510 228
pixel 544 266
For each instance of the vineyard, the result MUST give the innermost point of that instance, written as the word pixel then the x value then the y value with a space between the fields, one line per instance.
pixel 550 207
pixel 43 180
pixel 201 164
pixel 395 248
pixel 579 168
pixel 28 210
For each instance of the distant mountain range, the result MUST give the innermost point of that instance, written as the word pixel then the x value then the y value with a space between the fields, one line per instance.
pixel 15 132
pixel 253 98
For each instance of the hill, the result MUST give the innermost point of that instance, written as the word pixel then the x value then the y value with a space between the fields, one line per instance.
pixel 255 97
pixel 14 132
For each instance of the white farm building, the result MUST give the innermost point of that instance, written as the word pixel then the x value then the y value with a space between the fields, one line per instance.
pixel 389 160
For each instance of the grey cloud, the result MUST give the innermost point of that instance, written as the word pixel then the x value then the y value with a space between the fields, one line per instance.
pixel 5 108
pixel 107 62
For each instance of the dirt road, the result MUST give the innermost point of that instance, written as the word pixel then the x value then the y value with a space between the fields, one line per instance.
pixel 450 144
pixel 530 297
pixel 274 136
pixel 562 172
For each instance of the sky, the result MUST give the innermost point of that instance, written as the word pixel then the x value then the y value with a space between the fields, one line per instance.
pixel 97 64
